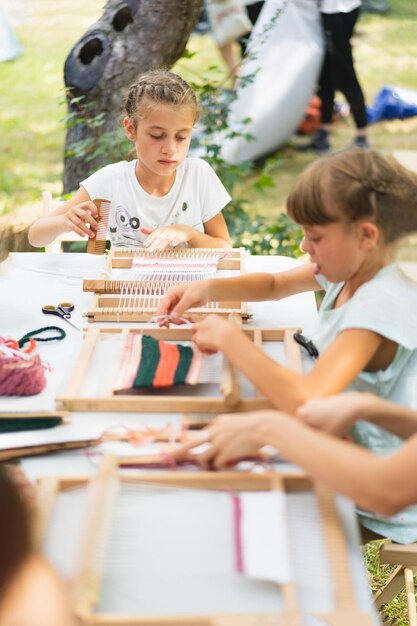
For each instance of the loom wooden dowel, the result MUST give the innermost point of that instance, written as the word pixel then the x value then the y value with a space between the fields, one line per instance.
pixel 160 404
pixel 257 338
pixel 293 352
pixel 184 333
pixel 229 264
pixel 411 598
pixel 46 492
pixel 101 497
pixel 235 480
pixel 46 448
pixel 337 550
pixel 80 370
pixel 134 316
pixel 288 590
pixel 294 482
pixel 229 385
pixel 97 285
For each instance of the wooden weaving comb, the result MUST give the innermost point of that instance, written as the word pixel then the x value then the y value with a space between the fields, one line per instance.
pixel 97 245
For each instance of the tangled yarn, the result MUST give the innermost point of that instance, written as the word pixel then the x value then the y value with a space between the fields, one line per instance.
pixel 20 374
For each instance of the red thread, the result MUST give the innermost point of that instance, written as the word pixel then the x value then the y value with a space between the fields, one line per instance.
pixel 237 525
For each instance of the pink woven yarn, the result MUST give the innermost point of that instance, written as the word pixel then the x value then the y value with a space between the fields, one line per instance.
pixel 21 376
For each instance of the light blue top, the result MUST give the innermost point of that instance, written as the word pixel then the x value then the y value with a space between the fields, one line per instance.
pixel 387 305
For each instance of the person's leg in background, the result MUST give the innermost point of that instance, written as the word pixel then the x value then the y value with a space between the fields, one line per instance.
pixel 339 30
pixel 338 72
pixel 326 92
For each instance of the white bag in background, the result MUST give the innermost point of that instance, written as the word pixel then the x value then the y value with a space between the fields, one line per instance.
pixel 228 19
pixel 285 65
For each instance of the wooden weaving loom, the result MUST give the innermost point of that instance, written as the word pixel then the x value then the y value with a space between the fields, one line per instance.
pixel 136 298
pixel 127 566
pixel 103 348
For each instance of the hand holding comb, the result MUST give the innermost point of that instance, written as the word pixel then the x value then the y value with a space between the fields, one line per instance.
pixel 97 244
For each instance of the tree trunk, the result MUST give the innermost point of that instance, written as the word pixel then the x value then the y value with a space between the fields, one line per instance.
pixel 131 37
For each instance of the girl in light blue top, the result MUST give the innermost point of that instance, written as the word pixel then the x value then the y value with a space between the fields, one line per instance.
pixel 353 206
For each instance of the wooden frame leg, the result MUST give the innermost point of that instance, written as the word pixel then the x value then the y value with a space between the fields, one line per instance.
pixel 400 578
pixel 411 598
pixel 392 587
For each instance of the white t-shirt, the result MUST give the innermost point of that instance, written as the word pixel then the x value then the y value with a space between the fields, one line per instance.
pixel 196 196
pixel 339 6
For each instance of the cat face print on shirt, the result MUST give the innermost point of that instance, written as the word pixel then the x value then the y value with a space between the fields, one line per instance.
pixel 125 228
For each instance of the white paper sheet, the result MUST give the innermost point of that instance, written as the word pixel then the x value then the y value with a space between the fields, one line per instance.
pixel 264 536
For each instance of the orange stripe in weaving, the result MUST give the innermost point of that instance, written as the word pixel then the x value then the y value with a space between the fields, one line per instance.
pixel 165 372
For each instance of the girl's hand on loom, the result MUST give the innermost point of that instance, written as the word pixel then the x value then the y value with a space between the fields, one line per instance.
pixel 232 438
pixel 81 219
pixel 165 237
pixel 336 414
pixel 209 335
pixel 179 299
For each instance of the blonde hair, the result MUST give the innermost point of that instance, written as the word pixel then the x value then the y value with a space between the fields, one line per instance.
pixel 158 87
pixel 354 185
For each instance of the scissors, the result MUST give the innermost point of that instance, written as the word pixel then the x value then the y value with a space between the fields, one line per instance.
pixel 63 310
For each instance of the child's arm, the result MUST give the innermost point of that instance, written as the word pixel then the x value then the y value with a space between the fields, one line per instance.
pixel 22 604
pixel 77 214
pixel 381 484
pixel 250 287
pixel 336 414
pixel 336 368
pixel 215 236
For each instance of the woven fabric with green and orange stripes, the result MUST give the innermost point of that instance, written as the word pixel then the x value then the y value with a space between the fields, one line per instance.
pixel 162 364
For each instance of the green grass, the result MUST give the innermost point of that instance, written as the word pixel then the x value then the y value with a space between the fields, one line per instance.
pixel 32 110
pixel 31 105
pixel 395 612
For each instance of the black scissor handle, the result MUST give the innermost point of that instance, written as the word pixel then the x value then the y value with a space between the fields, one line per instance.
pixel 66 308
pixel 306 344
pixel 62 310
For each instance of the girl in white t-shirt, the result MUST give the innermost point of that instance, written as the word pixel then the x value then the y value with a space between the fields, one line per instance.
pixel 160 199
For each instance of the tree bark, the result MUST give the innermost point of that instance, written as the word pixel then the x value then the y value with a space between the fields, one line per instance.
pixel 131 37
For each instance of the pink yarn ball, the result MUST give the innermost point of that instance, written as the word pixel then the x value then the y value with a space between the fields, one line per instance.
pixel 20 376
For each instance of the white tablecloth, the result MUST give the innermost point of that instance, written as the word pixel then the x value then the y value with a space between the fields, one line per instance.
pixel 30 280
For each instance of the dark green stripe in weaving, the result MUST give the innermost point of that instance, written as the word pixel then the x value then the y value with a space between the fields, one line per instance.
pixel 186 356
pixel 16 424
pixel 148 362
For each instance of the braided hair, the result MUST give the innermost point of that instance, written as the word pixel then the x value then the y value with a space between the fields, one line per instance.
pixel 357 184
pixel 158 87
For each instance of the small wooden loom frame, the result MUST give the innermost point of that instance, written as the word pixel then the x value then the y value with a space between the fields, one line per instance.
pixel 231 400
pixel 86 586
pixel 131 300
